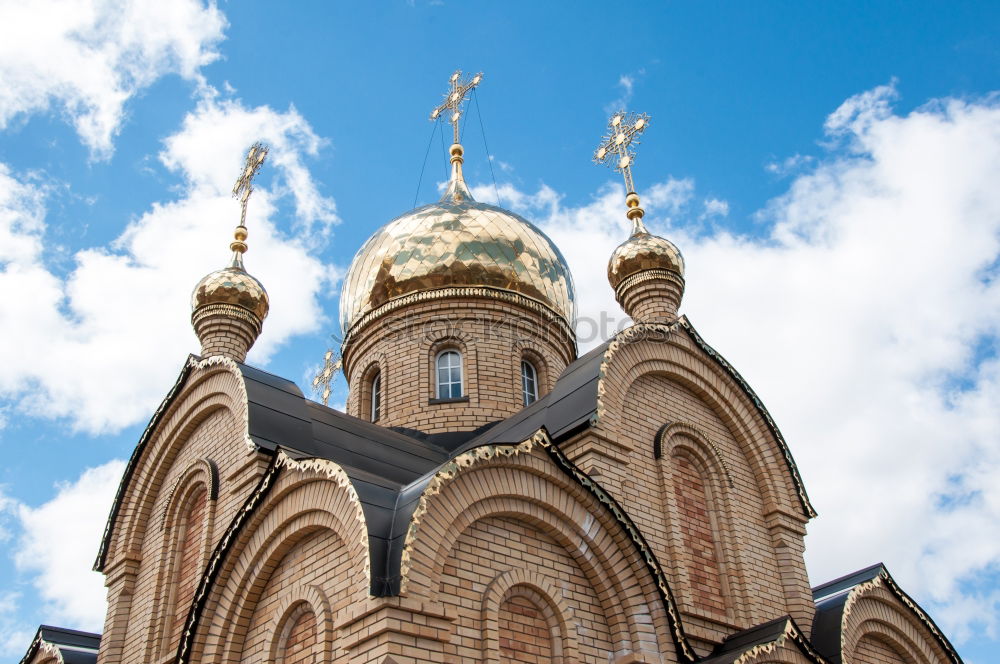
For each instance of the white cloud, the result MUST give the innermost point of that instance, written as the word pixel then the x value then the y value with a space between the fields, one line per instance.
pixel 867 316
pixel 86 58
pixel 98 346
pixel 57 547
pixel 713 207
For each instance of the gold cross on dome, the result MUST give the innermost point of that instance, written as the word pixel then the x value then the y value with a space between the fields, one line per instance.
pixel 244 183
pixel 456 95
pixel 620 142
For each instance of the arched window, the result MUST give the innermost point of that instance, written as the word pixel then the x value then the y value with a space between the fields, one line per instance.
pixel 376 398
pixel 189 558
pixel 529 382
pixel 449 374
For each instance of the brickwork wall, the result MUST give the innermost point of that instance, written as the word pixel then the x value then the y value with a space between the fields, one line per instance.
pixel 191 531
pixel 760 569
pixel 698 535
pixel 492 337
pixel 142 568
pixel 653 300
pixel 225 335
pixel 496 545
pixel 300 644
pixel 319 560
pixel 525 637
pixel 876 651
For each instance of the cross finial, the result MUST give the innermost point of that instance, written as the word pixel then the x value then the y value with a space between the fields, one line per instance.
pixel 457 91
pixel 618 151
pixel 244 183
pixel 331 365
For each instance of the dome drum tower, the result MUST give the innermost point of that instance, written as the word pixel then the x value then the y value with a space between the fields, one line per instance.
pixel 456 314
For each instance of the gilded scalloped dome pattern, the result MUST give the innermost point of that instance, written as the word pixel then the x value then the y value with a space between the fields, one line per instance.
pixel 456 244
pixel 643 251
pixel 231 285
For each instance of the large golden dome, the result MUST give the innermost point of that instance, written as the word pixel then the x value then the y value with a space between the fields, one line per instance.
pixel 456 242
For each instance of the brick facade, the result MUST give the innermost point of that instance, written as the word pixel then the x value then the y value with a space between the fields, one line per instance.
pixel 508 558
pixel 491 336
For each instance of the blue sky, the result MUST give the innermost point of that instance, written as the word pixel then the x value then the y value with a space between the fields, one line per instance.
pixel 829 170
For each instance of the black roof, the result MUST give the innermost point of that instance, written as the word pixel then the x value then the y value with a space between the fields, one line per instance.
pixel 76 647
pixel 389 469
pixel 831 597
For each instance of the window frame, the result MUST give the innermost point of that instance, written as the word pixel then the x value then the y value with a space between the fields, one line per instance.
pixel 375 397
pixel 460 366
pixel 525 379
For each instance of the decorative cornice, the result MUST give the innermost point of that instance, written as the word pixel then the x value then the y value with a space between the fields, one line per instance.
pixel 800 488
pixel 644 276
pixel 211 571
pixel 791 633
pixel 41 645
pixel 485 292
pixel 229 311
pixel 191 364
pixel 335 473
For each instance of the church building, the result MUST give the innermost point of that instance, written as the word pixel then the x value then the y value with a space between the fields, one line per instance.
pixel 489 495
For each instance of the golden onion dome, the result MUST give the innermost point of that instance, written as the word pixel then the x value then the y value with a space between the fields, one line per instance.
pixel 232 285
pixel 643 251
pixel 453 243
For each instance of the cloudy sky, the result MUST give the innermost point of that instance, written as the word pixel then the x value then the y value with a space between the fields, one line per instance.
pixel 830 171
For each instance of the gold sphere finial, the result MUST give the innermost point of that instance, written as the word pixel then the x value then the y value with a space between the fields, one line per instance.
pixel 456 151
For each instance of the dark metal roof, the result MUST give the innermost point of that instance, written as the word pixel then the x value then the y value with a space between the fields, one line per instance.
pixel 736 645
pixel 76 647
pixel 831 597
pixel 390 469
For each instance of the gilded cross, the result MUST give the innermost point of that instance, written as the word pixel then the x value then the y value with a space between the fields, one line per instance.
pixel 244 184
pixel 456 95
pixel 620 142
pixel 331 365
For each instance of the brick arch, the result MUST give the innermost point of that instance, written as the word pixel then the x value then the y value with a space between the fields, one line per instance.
pixel 216 387
pixel 885 636
pixel 300 505
pixel 677 362
pixel 557 612
pixel 298 598
pixel 200 476
pixel 874 611
pixel 451 338
pixel 528 488
pixel 528 349
pixel 685 440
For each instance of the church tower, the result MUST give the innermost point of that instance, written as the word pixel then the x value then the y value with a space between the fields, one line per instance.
pixel 455 314
pixel 489 496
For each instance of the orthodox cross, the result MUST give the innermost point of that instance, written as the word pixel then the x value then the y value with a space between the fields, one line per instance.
pixel 620 141
pixel 244 184
pixel 331 365
pixel 453 100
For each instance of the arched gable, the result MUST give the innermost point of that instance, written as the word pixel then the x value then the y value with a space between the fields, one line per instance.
pixel 868 613
pixel 678 353
pixel 294 501
pixel 522 482
pixel 203 387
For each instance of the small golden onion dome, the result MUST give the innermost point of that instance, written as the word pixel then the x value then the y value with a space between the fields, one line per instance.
pixel 643 251
pixel 232 285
